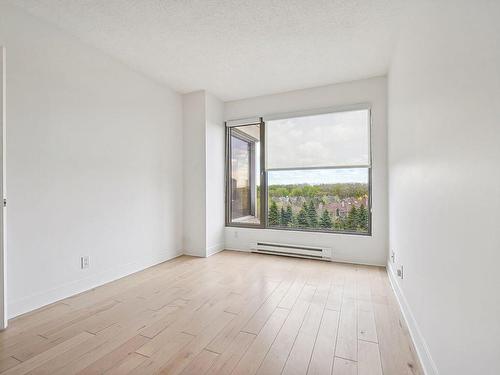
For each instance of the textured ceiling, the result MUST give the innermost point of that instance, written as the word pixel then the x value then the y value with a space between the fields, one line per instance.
pixel 235 49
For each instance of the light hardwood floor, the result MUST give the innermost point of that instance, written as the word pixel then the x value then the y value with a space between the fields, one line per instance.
pixel 232 313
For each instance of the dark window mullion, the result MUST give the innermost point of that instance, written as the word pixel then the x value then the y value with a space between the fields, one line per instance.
pixel 263 176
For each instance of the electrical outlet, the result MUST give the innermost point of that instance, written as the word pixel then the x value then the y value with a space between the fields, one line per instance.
pixel 400 273
pixel 393 256
pixel 84 262
pixel 235 234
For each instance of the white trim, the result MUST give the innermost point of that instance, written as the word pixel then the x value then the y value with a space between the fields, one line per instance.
pixel 423 352
pixel 209 251
pixel 356 263
pixel 30 303
pixel 190 254
pixel 334 260
pixel 234 249
pixel 217 248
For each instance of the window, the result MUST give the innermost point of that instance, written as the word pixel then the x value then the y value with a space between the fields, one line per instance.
pixel 317 174
pixel 244 177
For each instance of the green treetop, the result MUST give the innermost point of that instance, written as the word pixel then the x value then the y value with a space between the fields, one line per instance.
pixel 282 216
pixel 352 219
pixel 302 216
pixel 288 217
pixel 274 217
pixel 362 218
pixel 325 221
pixel 312 215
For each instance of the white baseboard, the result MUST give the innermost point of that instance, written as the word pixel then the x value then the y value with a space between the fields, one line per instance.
pixel 424 355
pixel 211 250
pixel 234 249
pixel 217 248
pixel 333 259
pixel 190 254
pixel 33 302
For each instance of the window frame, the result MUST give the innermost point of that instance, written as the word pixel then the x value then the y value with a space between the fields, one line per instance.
pixel 263 170
pixel 262 177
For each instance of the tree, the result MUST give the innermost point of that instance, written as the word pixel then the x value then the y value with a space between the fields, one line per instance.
pixel 274 218
pixel 363 218
pixel 339 224
pixel 283 217
pixel 302 216
pixel 286 216
pixel 312 215
pixel 352 219
pixel 325 221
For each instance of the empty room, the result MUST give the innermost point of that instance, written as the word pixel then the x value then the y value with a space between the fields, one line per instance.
pixel 250 187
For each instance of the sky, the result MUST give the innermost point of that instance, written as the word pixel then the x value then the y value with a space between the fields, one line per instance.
pixel 332 139
pixel 325 140
pixel 318 176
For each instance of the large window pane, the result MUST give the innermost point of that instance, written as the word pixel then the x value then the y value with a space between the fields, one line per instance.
pixel 319 199
pixel 245 174
pixel 327 140
pixel 317 173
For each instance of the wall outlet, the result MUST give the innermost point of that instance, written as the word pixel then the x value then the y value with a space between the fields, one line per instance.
pixel 235 234
pixel 393 256
pixel 84 262
pixel 400 273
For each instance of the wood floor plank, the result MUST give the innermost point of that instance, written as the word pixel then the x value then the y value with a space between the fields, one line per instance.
pixel 343 366
pixel 87 353
pixel 278 353
pixel 187 354
pixel 256 353
pixel 227 361
pixel 258 320
pixel 232 313
pixel 368 358
pixel 301 352
pixel 8 362
pixel 46 356
pixel 366 326
pixel 324 348
pixel 163 353
pixel 114 357
pixel 200 364
pixel 220 343
pixel 335 297
pixel 127 365
pixel 292 294
pixel 347 340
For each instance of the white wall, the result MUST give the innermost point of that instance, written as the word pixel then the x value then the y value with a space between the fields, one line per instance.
pixel 215 152
pixel 203 174
pixel 93 165
pixel 194 171
pixel 348 248
pixel 444 138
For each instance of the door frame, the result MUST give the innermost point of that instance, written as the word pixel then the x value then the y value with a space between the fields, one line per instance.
pixel 3 214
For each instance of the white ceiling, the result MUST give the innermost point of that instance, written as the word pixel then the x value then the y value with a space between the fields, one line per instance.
pixel 235 49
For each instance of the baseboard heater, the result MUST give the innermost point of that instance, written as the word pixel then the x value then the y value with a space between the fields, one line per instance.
pixel 297 251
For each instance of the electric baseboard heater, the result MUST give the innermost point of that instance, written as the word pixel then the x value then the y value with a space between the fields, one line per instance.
pixel 297 251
